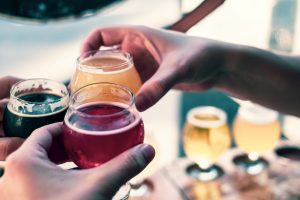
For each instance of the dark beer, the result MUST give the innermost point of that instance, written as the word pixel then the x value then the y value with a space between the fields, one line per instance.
pixel 33 105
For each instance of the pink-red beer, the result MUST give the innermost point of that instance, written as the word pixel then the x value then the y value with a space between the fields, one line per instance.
pixel 97 131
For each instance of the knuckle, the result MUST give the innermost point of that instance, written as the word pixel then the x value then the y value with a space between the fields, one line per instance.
pixel 7 77
pixel 14 162
pixel 94 31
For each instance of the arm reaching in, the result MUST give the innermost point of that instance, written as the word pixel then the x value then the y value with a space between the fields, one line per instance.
pixel 167 59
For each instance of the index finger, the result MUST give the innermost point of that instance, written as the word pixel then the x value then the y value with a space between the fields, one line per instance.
pixel 104 37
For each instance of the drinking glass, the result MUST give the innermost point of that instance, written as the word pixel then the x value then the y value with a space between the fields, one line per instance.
pixel 101 123
pixel 291 127
pixel 111 65
pixel 256 130
pixel 205 137
pixel 34 103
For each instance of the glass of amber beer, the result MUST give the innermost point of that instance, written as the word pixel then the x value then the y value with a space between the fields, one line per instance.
pixel 256 130
pixel 112 65
pixel 205 137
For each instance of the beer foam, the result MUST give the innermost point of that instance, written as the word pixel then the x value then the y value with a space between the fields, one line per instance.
pixel 124 66
pixel 257 114
pixel 206 110
pixel 137 120
pixel 15 104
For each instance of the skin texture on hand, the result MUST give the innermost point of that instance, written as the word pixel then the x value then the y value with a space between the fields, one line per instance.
pixel 162 58
pixel 7 145
pixel 30 174
pixel 167 59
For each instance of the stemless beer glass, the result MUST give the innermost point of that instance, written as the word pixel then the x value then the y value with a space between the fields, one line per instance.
pixel 34 103
pixel 113 66
pixel 290 127
pixel 205 137
pixel 101 123
pixel 256 129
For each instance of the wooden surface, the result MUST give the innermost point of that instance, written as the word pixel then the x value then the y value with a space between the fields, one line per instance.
pixel 281 181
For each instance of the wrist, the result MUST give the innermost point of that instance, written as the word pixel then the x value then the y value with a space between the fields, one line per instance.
pixel 231 58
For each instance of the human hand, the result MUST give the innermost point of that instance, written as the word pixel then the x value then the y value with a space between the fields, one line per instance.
pixel 7 144
pixel 164 59
pixel 30 174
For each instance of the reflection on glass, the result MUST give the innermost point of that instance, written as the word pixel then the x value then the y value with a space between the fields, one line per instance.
pixel 111 66
pixel 256 130
pixel 205 137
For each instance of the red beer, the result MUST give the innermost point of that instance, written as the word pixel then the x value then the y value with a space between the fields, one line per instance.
pixel 101 125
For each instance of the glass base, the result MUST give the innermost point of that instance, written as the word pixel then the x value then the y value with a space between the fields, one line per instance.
pixel 123 192
pixel 141 189
pixel 252 167
pixel 212 173
pixel 289 152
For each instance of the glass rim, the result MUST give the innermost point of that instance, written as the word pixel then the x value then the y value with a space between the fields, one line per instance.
pixel 257 114
pixel 15 97
pixel 124 109
pixel 127 62
pixel 206 110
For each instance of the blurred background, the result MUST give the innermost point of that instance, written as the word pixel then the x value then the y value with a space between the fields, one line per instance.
pixel 31 50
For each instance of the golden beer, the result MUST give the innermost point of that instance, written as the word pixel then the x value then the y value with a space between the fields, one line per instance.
pixel 205 135
pixel 111 66
pixel 256 129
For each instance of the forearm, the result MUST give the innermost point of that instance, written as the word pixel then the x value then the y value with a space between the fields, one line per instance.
pixel 264 77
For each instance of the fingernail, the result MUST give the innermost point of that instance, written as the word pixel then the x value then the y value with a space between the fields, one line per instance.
pixel 148 152
pixel 142 102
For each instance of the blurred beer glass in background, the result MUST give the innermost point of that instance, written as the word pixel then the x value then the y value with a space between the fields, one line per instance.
pixel 256 130
pixel 291 148
pixel 110 65
pixel 291 128
pixel 205 137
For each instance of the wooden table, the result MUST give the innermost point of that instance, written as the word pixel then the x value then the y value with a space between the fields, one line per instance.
pixel 280 181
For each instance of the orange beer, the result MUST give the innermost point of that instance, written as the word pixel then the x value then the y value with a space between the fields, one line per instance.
pixel 256 129
pixel 206 135
pixel 113 66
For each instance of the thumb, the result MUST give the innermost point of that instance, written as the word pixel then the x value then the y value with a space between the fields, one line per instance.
pixel 112 175
pixel 156 87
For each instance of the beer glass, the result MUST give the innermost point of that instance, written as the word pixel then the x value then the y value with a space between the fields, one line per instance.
pixel 101 123
pixel 111 65
pixel 34 103
pixel 291 127
pixel 256 130
pixel 205 137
